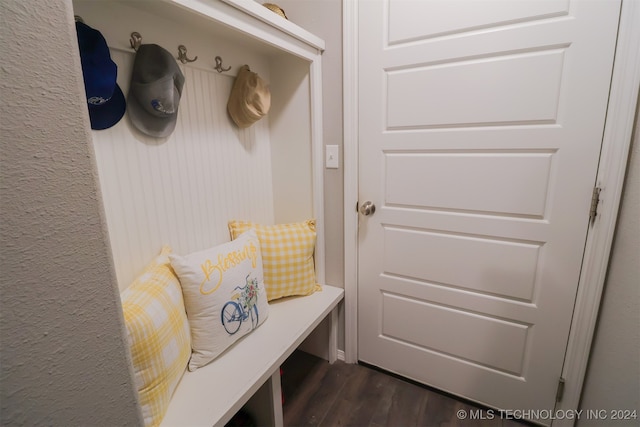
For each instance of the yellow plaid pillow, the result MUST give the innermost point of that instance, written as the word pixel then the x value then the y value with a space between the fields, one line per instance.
pixel 158 335
pixel 287 256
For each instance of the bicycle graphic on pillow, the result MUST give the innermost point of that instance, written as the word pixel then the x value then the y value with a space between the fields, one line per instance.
pixel 243 305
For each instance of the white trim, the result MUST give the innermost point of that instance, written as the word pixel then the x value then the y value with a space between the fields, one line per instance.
pixel 615 150
pixel 317 147
pixel 350 164
pixel 618 130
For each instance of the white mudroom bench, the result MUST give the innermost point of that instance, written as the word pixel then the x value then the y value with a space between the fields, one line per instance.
pixel 248 373
pixel 185 188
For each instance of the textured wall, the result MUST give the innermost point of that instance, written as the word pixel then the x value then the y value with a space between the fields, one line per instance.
pixel 64 360
pixel 613 376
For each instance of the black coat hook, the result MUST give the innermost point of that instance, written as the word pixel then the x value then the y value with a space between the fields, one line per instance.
pixel 218 66
pixel 135 40
pixel 182 55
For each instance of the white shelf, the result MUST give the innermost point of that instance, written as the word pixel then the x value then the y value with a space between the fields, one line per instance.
pixel 240 21
pixel 260 12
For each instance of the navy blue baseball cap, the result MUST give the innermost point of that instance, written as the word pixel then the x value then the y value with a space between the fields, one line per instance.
pixel 105 99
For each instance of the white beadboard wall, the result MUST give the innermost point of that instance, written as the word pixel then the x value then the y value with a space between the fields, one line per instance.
pixel 181 190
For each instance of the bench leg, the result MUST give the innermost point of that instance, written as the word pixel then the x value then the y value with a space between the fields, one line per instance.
pixel 266 403
pixel 275 388
pixel 333 335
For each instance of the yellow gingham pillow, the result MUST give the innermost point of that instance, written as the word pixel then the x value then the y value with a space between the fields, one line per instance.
pixel 287 256
pixel 158 335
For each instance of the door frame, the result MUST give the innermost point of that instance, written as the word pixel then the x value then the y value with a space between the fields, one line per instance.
pixel 621 111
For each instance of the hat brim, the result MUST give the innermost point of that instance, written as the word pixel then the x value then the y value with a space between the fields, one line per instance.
pixel 158 127
pixel 108 114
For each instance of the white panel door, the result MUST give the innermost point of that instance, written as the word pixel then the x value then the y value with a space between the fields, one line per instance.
pixel 480 130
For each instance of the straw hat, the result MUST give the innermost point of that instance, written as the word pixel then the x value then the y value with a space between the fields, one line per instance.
pixel 275 8
pixel 250 98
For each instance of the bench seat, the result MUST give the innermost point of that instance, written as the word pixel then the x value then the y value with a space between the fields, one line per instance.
pixel 211 395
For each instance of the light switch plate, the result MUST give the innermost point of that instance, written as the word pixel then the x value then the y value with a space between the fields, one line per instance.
pixel 331 158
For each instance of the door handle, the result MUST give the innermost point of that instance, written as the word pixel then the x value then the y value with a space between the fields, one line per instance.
pixel 367 208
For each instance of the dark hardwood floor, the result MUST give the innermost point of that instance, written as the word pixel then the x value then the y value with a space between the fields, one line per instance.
pixel 319 394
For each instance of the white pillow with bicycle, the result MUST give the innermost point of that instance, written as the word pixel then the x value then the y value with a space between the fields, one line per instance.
pixel 224 295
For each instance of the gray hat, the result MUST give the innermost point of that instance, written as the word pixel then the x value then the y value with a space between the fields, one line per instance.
pixel 154 94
